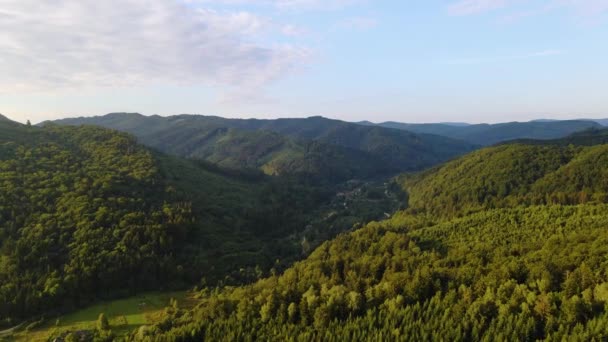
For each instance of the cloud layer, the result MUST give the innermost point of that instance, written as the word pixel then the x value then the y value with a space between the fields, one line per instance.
pixel 64 43
pixel 286 4
pixel 580 7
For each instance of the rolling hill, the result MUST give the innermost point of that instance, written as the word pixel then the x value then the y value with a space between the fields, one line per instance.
pixel 486 134
pixel 508 242
pixel 284 145
pixel 527 264
pixel 515 174
pixel 589 137
pixel 87 213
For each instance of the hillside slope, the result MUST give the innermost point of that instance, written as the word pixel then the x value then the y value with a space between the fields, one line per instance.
pixel 486 134
pixel 83 213
pixel 217 139
pixel 518 272
pixel 511 175
pixel 87 213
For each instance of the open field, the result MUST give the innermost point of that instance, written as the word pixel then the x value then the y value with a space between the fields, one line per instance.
pixel 124 315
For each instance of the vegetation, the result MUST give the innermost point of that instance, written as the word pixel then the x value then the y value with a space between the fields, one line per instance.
pixel 588 137
pixel 86 214
pixel 512 175
pixel 122 316
pixel 326 149
pixel 526 264
pixel 506 243
pixel 83 214
pixel 486 134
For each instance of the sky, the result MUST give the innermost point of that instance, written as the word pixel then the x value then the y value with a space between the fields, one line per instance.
pixel 400 60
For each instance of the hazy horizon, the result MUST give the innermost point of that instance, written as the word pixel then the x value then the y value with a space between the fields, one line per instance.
pixel 308 116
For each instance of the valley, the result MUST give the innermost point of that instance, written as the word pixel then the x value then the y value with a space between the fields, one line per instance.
pixel 508 239
pixel 303 171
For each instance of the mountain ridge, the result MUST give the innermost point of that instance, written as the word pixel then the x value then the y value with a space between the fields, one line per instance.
pixel 387 149
pixel 489 134
pixel 518 270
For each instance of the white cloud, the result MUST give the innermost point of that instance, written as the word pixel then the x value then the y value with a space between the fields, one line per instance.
pixel 357 23
pixel 48 44
pixel 286 4
pixel 580 7
pixel 586 7
pixel 467 7
pixel 293 30
pixel 500 59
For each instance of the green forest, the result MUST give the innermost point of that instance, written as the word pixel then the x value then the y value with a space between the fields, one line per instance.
pixel 505 243
pixel 319 148
pixel 87 213
pixel 516 250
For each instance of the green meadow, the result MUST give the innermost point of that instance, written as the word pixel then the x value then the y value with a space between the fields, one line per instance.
pixel 124 315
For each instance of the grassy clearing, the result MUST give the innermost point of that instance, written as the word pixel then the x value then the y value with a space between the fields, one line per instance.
pixel 124 315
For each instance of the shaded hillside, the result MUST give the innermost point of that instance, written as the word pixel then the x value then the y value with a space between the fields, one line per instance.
pixel 521 272
pixel 87 213
pixel 83 213
pixel 218 139
pixel 274 154
pixel 486 134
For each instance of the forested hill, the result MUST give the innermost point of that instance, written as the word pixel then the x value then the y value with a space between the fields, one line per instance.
pixel 489 134
pixel 270 152
pixel 87 213
pixel 233 140
pixel 511 175
pixel 589 137
pixel 532 269
pixel 83 213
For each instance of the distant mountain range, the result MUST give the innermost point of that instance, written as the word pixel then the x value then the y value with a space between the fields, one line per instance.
pixel 603 122
pixel 491 245
pixel 489 134
pixel 506 242
pixel 330 149
pixel 324 148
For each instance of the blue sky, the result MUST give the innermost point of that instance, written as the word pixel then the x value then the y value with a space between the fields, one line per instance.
pixel 409 61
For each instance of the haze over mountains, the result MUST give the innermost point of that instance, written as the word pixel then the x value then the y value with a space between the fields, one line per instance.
pixel 442 196
pixel 314 145
pixel 507 239
pixel 87 213
pixel 501 243
pixel 489 134
pixel 319 147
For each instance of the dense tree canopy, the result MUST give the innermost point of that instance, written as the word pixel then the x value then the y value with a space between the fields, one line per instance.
pixel 524 274
pixel 507 243
pixel 86 213
pixel 318 147
pixel 82 212
pixel 512 175
pixel 524 263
